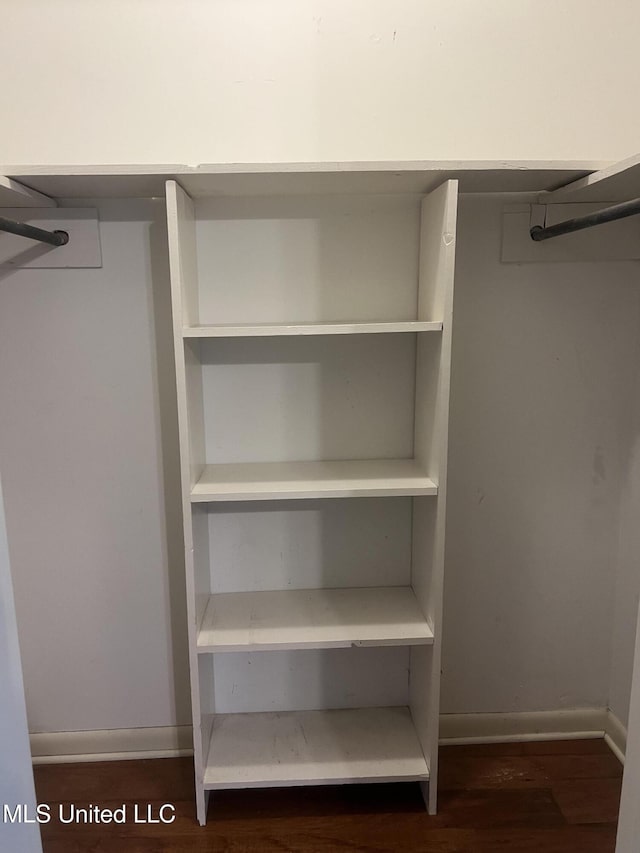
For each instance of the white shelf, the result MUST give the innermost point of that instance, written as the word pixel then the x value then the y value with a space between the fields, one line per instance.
pixel 313 619
pixel 616 182
pixel 263 330
pixel 13 194
pixel 314 748
pixel 254 481
pixel 384 400
pixel 250 179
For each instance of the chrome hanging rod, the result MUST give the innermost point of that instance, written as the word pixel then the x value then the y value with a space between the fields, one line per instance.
pixel 599 217
pixel 53 238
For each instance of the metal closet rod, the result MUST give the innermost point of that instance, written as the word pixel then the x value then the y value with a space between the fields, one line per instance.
pixel 53 238
pixel 599 217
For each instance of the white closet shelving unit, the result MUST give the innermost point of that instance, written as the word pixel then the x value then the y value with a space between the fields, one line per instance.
pixel 313 345
pixel 312 310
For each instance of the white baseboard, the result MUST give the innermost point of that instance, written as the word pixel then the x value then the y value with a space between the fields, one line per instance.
pixel 533 725
pixel 616 736
pixel 111 744
pixel 173 741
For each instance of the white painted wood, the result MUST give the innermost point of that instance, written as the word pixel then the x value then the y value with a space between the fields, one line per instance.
pixel 310 543
pixel 271 330
pixel 313 619
pixel 437 252
pixel 629 819
pixel 319 418
pixel 614 183
pixel 182 222
pixel 190 430
pixel 141 181
pixel 16 779
pixel 195 409
pixel 315 748
pixel 523 726
pixel 417 177
pixel 201 566
pixel 613 241
pixel 616 736
pixel 111 744
pixel 91 181
pixel 82 250
pixel 13 194
pixel 282 480
pixel 433 376
pixel 207 708
pixel 615 749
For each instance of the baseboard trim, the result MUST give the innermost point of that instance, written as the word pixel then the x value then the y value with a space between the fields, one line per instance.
pixel 111 745
pixel 525 737
pixel 175 741
pixel 534 725
pixel 578 724
pixel 616 736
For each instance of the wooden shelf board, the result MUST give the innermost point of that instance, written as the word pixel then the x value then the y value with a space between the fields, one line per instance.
pixel 613 184
pixel 146 181
pixel 314 748
pixel 313 619
pixel 277 330
pixel 290 480
pixel 13 194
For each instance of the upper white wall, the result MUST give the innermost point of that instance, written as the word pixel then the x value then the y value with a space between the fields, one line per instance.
pixel 161 81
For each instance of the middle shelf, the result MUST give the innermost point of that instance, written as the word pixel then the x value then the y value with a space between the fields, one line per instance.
pixel 250 481
pixel 312 619
pixel 230 330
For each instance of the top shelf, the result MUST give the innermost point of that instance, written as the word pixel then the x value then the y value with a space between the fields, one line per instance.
pixel 147 181
pixel 616 183
pixel 273 330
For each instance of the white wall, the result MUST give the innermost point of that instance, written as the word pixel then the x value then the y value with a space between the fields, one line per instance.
pixel 86 381
pixel 629 820
pixel 88 411
pixel 171 81
pixel 545 366
pixel 543 398
pixel 16 779
pixel 627 578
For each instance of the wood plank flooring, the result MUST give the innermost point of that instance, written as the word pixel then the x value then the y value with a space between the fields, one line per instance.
pixel 552 797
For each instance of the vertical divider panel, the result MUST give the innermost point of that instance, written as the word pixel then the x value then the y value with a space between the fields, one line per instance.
pixel 184 301
pixel 433 370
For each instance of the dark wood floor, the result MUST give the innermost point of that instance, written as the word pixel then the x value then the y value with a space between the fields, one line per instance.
pixel 556 797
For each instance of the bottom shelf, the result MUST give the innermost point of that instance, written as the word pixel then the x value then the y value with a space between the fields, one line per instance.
pixel 314 748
